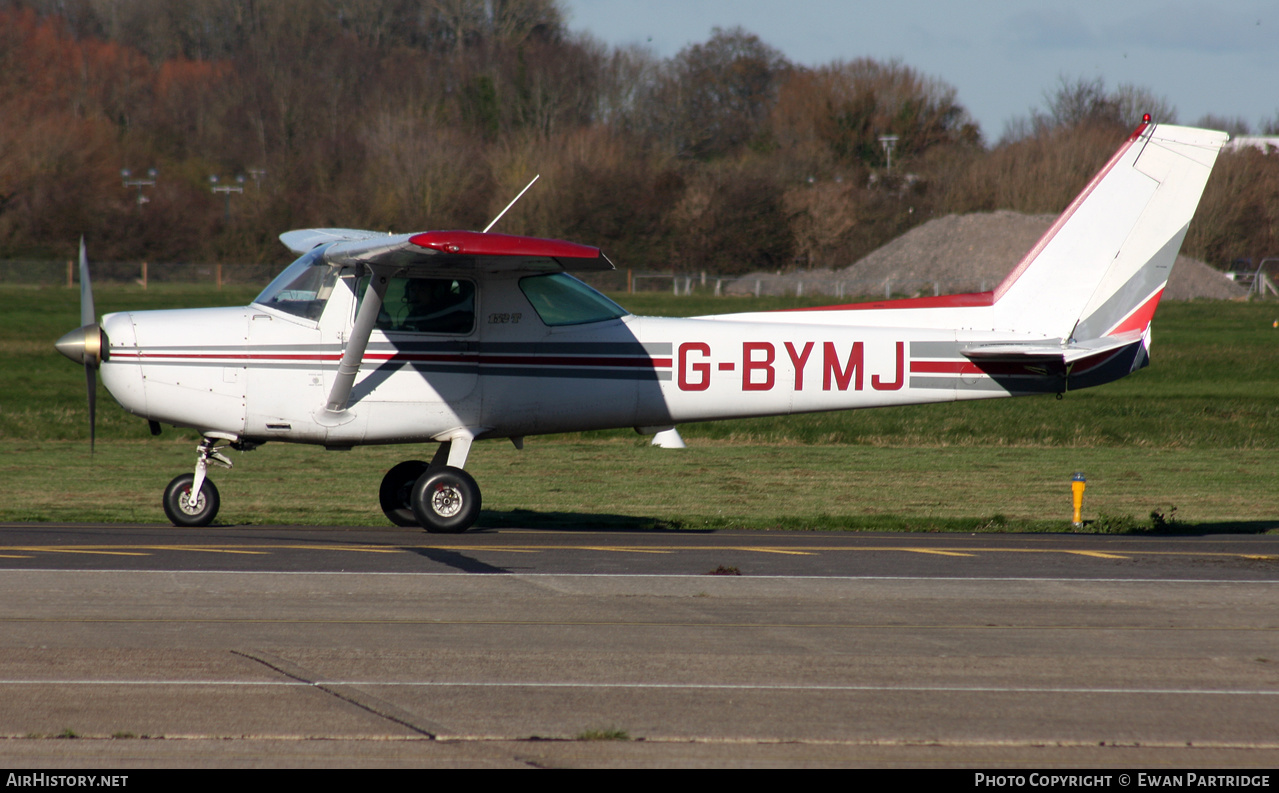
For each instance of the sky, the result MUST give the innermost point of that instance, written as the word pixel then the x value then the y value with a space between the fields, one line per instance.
pixel 1001 57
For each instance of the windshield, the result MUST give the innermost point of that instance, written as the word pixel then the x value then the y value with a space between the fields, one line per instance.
pixel 561 299
pixel 303 288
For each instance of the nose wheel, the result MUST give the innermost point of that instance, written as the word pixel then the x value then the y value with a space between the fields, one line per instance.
pixel 191 499
pixel 182 510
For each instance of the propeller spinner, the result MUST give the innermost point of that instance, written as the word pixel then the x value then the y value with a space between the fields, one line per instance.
pixel 86 343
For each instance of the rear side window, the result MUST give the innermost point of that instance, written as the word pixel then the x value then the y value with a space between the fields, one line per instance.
pixel 561 299
pixel 425 305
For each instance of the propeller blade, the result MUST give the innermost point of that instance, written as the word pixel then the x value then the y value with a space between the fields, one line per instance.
pixel 87 315
pixel 86 343
pixel 91 381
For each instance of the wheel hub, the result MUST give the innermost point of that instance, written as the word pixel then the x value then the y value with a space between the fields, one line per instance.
pixel 446 501
pixel 184 503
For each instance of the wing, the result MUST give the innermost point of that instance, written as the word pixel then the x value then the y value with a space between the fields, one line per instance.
pixel 303 240
pixel 455 249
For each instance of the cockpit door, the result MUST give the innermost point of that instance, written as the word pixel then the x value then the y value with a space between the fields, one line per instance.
pixel 423 349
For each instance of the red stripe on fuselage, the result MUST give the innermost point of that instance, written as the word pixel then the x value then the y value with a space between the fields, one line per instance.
pixel 409 357
pixel 227 356
pixel 970 368
pixel 966 300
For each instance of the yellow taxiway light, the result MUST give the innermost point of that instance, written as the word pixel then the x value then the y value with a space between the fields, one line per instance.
pixel 1077 484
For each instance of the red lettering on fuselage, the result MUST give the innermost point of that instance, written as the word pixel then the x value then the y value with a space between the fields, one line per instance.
pixel 704 369
pixel 759 372
pixel 798 361
pixel 895 385
pixel 750 365
pixel 841 375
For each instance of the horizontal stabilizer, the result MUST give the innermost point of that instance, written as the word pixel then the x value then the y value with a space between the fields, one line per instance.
pixel 1067 353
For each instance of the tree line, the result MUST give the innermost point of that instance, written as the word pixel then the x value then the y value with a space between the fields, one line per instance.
pixel 404 115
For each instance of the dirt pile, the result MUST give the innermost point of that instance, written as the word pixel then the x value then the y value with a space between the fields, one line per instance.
pixel 960 253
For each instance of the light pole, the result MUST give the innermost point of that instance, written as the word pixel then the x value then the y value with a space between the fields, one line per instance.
pixel 227 190
pixel 888 142
pixel 126 175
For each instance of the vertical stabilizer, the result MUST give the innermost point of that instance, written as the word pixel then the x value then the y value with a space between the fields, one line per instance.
pixel 1100 268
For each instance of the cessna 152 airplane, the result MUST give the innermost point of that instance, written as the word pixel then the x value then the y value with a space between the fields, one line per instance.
pixel 457 336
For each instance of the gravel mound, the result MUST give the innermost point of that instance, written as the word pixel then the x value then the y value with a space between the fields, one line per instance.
pixel 960 253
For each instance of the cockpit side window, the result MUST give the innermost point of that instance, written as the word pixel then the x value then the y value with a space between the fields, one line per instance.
pixel 303 288
pixel 561 299
pixel 425 305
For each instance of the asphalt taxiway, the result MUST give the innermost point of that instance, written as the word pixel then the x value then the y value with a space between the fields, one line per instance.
pixel 292 646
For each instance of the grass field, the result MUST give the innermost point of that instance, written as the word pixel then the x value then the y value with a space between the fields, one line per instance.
pixel 1190 439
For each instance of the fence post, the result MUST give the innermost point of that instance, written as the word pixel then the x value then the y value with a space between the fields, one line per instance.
pixel 718 281
pixel 888 288
pixel 799 289
pixel 756 287
pixel 70 283
pixel 219 272
pixel 144 275
pixel 630 282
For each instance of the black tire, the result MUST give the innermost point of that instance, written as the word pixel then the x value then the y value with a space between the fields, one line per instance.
pixel 180 513
pixel 446 500
pixel 396 493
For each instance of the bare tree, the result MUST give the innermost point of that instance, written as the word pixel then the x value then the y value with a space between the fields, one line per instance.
pixel 1086 102
pixel 847 105
pixel 712 98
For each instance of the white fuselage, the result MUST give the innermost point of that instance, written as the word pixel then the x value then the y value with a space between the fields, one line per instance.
pixel 257 374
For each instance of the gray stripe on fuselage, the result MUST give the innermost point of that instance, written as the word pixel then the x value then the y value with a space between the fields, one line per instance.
pixel 1003 383
pixel 256 349
pixel 936 349
pixel 574 348
pixel 469 368
pixel 442 345
pixel 581 374
pixel 955 384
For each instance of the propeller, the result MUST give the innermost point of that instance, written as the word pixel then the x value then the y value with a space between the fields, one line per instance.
pixel 86 343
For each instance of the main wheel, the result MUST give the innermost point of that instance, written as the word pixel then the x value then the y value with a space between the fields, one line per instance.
pixel 446 500
pixel 178 507
pixel 396 493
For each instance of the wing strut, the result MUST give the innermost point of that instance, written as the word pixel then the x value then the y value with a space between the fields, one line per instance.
pixel 359 340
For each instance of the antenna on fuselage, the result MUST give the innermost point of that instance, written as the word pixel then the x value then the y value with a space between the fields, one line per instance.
pixel 508 206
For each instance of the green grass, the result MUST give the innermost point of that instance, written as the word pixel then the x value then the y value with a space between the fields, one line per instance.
pixel 628 484
pixel 1196 431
